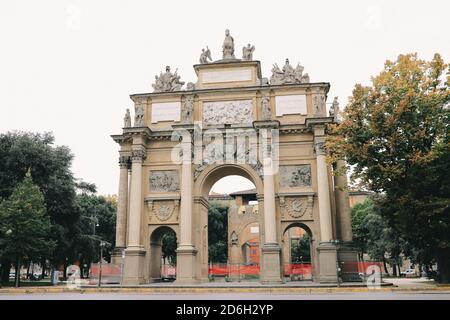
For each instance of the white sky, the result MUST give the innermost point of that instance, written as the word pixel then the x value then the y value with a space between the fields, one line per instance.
pixel 68 66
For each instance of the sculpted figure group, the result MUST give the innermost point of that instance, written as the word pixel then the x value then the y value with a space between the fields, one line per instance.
pixel 288 75
pixel 167 81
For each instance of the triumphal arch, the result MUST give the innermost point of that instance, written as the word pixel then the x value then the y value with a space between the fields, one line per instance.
pixel 231 121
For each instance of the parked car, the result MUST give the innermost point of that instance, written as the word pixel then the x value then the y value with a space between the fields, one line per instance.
pixel 408 273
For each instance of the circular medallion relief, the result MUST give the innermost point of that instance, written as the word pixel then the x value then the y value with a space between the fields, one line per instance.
pixel 297 208
pixel 164 212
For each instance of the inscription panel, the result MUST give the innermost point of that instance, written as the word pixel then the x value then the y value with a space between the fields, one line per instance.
pixel 228 112
pixel 227 75
pixel 294 176
pixel 292 104
pixel 164 181
pixel 166 111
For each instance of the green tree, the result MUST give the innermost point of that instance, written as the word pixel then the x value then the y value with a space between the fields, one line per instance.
pixel 372 233
pixel 97 223
pixel 169 247
pixel 217 232
pixel 24 225
pixel 301 249
pixel 50 165
pixel 360 233
pixel 395 134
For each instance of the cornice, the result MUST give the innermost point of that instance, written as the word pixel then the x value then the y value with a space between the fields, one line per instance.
pixel 324 85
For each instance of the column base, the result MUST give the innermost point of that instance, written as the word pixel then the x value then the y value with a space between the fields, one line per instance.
pixel 327 263
pixel 133 274
pixel 186 271
pixel 116 255
pixel 348 261
pixel 271 264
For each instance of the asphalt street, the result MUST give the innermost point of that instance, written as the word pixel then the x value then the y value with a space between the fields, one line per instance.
pixel 436 295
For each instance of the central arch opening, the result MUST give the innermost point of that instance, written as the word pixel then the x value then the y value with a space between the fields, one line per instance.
pixel 233 230
pixel 163 244
pixel 297 252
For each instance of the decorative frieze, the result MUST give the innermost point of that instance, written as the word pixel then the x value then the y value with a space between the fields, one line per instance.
pixel 164 181
pixel 228 112
pixel 294 176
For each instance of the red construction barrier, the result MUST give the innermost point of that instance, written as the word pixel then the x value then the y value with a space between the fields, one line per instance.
pixel 359 267
pixel 223 269
pixel 111 273
pixel 297 269
pixel 168 271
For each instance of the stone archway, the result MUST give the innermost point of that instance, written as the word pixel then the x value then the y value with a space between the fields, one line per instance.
pixel 202 186
pixel 287 265
pixel 155 251
pixel 279 125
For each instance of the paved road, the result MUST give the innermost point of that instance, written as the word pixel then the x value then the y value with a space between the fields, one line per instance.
pixel 233 296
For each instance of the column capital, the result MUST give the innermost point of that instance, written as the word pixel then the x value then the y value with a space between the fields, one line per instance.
pixel 124 161
pixel 138 155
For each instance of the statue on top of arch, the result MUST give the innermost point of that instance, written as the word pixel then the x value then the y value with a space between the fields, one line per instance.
pixel 167 81
pixel 288 75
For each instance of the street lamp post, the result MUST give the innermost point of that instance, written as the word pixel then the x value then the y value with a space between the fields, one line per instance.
pixel 336 243
pixel 102 244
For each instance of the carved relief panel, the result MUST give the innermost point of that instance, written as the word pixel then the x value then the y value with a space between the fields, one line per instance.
pixel 228 112
pixel 164 181
pixel 294 176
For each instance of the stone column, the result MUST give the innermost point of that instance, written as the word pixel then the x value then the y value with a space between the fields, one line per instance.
pixel 270 225
pixel 271 250
pixel 122 203
pixel 348 256
pixel 134 254
pixel 327 248
pixel 343 211
pixel 323 192
pixel 186 252
pixel 134 226
pixel 122 206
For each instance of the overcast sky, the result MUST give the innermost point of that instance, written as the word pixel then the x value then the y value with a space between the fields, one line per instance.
pixel 68 66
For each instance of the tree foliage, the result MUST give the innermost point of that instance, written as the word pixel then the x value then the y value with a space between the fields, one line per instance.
pixel 395 135
pixel 217 232
pixel 169 247
pixel 50 165
pixel 24 225
pixel 372 233
pixel 97 223
pixel 301 249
